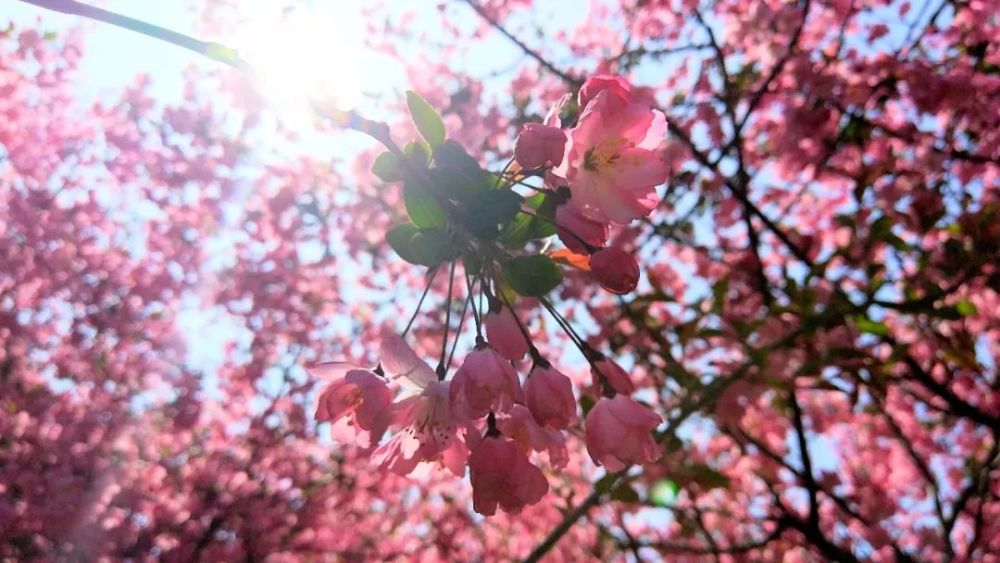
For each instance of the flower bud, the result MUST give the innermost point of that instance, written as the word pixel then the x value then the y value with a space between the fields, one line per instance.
pixel 539 146
pixel 577 232
pixel 616 270
pixel 505 335
pixel 485 382
pixel 549 395
pixel 618 433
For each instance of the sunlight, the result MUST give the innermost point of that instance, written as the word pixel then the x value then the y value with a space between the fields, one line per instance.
pixel 305 53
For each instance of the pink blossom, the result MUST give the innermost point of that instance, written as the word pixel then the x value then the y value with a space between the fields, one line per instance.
pixel 614 375
pixel 425 428
pixel 549 396
pixel 619 90
pixel 613 163
pixel 485 382
pixel 618 433
pixel 425 431
pixel 505 335
pixel 520 425
pixel 501 474
pixel 402 363
pixel 355 394
pixel 616 270
pixel 577 232
pixel 539 146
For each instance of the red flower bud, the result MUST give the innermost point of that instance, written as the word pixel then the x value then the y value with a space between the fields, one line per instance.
pixel 616 270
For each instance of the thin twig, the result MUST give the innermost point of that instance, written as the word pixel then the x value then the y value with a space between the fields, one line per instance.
pixel 575 82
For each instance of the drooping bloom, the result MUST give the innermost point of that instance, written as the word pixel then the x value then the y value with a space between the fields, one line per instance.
pixel 356 395
pixel 549 396
pixel 505 335
pixel 618 433
pixel 616 270
pixel 502 475
pixel 402 363
pixel 539 145
pixel 425 429
pixel 612 164
pixel 485 382
pixel 520 425
pixel 577 232
pixel 614 374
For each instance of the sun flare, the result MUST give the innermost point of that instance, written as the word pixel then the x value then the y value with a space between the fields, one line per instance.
pixel 303 54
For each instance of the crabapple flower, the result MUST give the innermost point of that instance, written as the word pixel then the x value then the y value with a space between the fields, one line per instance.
pixel 577 232
pixel 613 164
pixel 613 374
pixel 424 427
pixel 505 335
pixel 539 146
pixel 357 395
pixel 618 433
pixel 402 363
pixel 425 431
pixel 619 89
pixel 502 475
pixel 485 382
pixel 549 396
pixel 616 270
pixel 520 425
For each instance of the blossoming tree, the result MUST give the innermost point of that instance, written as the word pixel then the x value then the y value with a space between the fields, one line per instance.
pixel 699 281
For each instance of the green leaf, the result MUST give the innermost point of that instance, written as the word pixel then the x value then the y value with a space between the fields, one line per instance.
pixel 605 483
pixel 422 208
pixel 451 155
pixel 399 240
pixel 430 247
pixel 425 247
pixel 426 118
pixel 221 53
pixel 720 293
pixel 457 185
pixel 966 308
pixel 702 475
pixel 419 153
pixel 869 326
pixel 490 211
pixel 707 477
pixel 458 175
pixel 387 168
pixel 532 276
pixel 625 493
pixel 526 227
pixel 664 492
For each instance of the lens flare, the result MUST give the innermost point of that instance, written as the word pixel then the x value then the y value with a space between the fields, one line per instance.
pixel 305 54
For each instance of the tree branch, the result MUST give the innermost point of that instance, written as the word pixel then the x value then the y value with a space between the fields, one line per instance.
pixel 574 82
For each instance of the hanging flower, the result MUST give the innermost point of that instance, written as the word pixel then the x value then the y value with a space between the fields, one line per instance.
pixel 502 475
pixel 549 396
pixel 485 382
pixel 618 433
pixel 354 394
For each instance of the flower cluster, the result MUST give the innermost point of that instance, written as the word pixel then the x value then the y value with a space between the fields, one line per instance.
pixel 610 163
pixel 483 418
pixel 599 173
